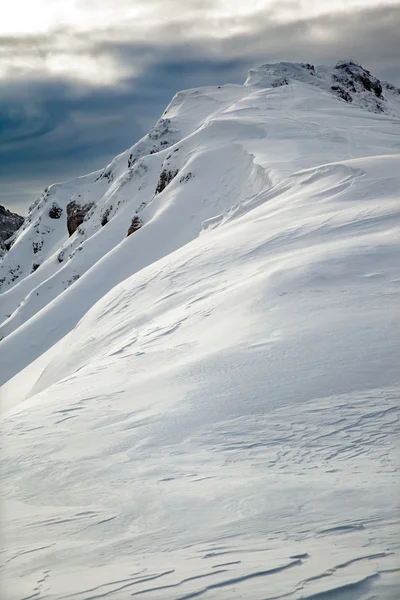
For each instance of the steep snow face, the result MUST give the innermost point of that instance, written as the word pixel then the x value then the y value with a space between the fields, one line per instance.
pixel 9 225
pixel 46 257
pixel 210 409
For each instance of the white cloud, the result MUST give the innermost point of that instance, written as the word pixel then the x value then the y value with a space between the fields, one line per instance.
pixel 73 38
pixel 82 40
pixel 27 17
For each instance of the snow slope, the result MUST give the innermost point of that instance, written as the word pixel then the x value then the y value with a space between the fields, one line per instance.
pixel 209 406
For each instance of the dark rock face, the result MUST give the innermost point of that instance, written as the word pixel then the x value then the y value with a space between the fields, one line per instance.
pixel 76 214
pixel 9 224
pixel 55 211
pixel 342 93
pixel 135 225
pixel 166 176
pixel 105 216
pixel 352 78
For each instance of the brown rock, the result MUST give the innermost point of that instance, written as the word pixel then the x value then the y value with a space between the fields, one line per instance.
pixel 76 214
pixel 135 225
pixel 166 176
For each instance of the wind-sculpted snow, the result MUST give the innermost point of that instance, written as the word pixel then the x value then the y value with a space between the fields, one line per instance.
pixel 208 407
pixel 295 503
pixel 200 133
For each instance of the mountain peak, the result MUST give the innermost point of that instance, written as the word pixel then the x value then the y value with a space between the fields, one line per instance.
pixel 347 80
pixel 74 225
pixel 202 340
pixel 277 74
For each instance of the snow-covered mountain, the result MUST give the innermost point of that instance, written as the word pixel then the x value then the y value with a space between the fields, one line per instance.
pixel 199 353
pixel 9 224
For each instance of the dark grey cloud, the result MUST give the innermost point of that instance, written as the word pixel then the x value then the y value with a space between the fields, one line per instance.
pixel 57 127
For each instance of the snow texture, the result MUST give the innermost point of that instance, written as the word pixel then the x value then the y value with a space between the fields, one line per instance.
pixel 199 363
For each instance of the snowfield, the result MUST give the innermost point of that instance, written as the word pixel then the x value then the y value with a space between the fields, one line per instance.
pixel 209 406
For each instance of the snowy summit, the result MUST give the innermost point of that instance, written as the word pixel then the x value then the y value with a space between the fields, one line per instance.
pixel 199 354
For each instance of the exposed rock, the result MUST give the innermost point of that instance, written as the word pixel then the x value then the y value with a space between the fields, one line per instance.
pixel 347 80
pixel 37 246
pixel 15 272
pixel 166 176
pixel 160 137
pixel 186 177
pixel 356 73
pixel 105 174
pixel 55 211
pixel 279 82
pixel 161 128
pixel 135 225
pixel 105 215
pixel 9 225
pixel 342 93
pixel 6 246
pixel 354 79
pixel 109 175
pixel 76 214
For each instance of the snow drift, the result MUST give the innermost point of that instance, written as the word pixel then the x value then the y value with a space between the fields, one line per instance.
pixel 199 354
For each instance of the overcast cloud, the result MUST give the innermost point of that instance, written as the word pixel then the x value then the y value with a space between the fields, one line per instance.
pixel 81 80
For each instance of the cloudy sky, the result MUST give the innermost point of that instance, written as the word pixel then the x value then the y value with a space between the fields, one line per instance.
pixel 81 80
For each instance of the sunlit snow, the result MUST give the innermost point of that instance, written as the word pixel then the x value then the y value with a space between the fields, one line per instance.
pixel 209 407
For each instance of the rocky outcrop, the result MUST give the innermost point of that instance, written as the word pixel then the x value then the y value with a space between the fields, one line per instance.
pixel 37 246
pixel 76 214
pixel 135 225
pixel 105 216
pixel 9 224
pixel 347 80
pixel 160 137
pixel 55 211
pixel 352 81
pixel 166 176
pixel 341 92
pixel 357 78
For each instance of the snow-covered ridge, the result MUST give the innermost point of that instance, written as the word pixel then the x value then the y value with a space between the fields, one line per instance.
pixel 199 365
pixel 347 79
pixel 74 224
